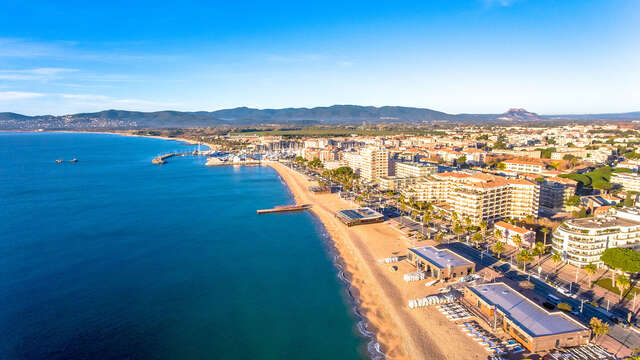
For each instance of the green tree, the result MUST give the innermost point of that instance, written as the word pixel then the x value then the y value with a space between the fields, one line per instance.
pixel 598 327
pixel 538 250
pixel 498 234
pixel 498 248
pixel 590 270
pixel 545 231
pixel 458 230
pixel 483 226
pixel 629 200
pixel 557 259
pixel 517 240
pixel 621 259
pixel 477 238
pixel 315 164
pixel 501 166
pixel 438 238
pixel 524 256
pixel 623 284
pixel 573 200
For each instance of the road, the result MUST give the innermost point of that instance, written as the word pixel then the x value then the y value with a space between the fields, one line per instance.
pixel 624 335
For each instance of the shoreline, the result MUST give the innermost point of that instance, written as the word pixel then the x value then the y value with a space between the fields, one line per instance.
pixel 187 141
pixel 381 295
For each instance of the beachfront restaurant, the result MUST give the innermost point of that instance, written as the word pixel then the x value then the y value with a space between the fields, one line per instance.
pixel 359 216
pixel 443 264
pixel 533 326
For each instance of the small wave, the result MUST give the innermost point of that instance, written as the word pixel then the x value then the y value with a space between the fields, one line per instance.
pixel 373 346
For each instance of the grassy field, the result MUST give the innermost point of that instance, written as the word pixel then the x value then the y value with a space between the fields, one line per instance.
pixel 606 284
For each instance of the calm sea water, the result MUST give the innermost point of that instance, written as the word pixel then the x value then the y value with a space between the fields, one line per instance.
pixel 115 258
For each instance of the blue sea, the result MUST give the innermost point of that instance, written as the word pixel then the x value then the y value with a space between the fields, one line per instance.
pixel 113 257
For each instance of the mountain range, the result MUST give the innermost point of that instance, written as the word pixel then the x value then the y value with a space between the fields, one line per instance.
pixel 244 116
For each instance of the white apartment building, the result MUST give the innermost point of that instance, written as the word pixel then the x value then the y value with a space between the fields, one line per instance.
pixel 414 169
pixel 628 181
pixel 509 233
pixel 371 163
pixel 582 241
pixel 524 166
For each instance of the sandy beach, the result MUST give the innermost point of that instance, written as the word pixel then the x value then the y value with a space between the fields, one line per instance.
pixel 403 333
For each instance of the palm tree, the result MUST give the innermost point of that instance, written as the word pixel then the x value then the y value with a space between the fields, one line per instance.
pixel 545 231
pixel 458 229
pixel 498 248
pixel 439 237
pixel 467 222
pixel 623 283
pixel 556 258
pixel 538 250
pixel 477 238
pixel 483 227
pixel 426 219
pixel 598 327
pixel 517 239
pixel 454 217
pixel 497 234
pixel 590 270
pixel 524 256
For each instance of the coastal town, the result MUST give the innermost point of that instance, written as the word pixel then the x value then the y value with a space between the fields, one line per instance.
pixel 518 242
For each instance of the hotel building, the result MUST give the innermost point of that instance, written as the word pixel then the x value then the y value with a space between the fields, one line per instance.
pixel 582 241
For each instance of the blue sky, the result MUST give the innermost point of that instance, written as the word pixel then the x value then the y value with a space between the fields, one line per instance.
pixel 481 56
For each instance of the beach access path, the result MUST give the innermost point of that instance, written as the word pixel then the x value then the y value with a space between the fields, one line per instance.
pixel 403 333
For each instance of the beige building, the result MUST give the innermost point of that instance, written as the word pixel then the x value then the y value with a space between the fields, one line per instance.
pixel 371 163
pixel 440 263
pixel 534 327
pixel 414 169
pixel 525 166
pixel 481 197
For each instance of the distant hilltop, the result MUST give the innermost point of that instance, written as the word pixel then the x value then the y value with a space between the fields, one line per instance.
pixel 515 114
pixel 244 116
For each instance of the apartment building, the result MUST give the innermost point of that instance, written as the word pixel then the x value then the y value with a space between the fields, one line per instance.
pixel 414 169
pixel 524 166
pixel 582 241
pixel 554 191
pixel 481 197
pixel 371 163
pixel 629 181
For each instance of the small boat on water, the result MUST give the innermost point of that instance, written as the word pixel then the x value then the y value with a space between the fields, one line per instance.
pixel 59 161
pixel 74 160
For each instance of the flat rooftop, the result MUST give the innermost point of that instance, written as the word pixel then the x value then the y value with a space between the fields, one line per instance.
pixel 532 318
pixel 440 258
pixel 360 214
pixel 600 222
